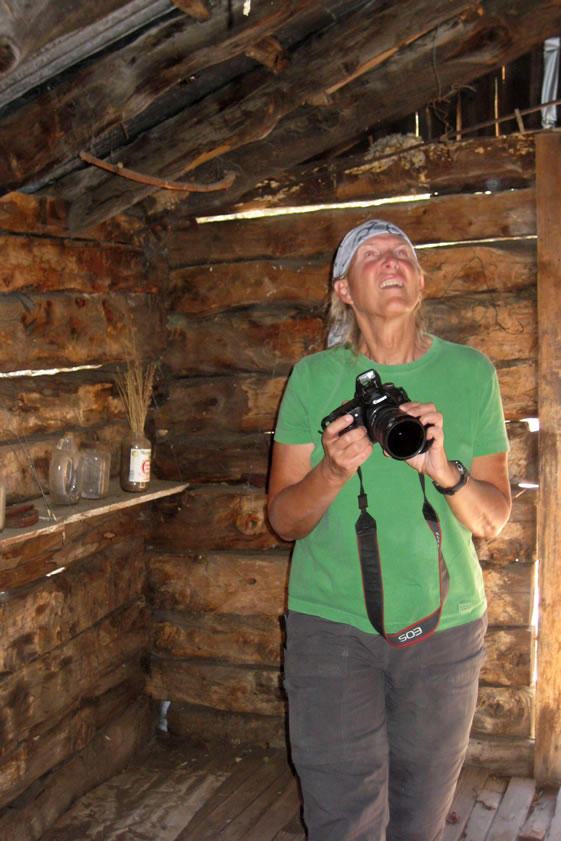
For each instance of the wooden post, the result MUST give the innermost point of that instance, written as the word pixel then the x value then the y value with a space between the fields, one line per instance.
pixel 548 697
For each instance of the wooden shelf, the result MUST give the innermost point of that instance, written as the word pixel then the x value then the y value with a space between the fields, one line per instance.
pixel 85 508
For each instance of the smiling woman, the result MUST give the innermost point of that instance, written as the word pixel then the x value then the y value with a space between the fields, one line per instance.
pixel 355 685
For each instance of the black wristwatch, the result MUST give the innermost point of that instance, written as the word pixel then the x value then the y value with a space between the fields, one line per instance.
pixel 464 476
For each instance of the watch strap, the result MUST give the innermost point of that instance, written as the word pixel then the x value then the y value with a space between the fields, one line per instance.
pixel 464 476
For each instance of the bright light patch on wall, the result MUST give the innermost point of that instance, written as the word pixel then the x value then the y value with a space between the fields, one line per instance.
pixel 309 208
pixel 47 372
pixel 533 424
pixel 55 571
pixel 528 486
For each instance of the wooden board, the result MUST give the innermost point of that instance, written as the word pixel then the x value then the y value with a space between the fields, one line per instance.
pixel 548 711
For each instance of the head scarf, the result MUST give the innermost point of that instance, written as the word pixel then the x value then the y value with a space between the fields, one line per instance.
pixel 356 236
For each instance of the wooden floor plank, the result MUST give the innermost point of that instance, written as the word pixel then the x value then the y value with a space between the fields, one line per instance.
pixel 513 810
pixel 485 809
pixel 144 801
pixel 266 814
pixel 554 833
pixel 254 774
pixel 471 781
pixel 539 820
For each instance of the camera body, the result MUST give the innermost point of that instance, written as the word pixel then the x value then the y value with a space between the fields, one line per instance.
pixel 376 407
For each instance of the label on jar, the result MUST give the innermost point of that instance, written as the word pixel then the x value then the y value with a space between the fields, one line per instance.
pixel 139 470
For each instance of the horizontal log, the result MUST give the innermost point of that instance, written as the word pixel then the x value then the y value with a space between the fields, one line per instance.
pixel 451 270
pixel 510 593
pixel 37 555
pixel 53 265
pixel 258 639
pixel 110 750
pixel 242 689
pixel 503 328
pixel 37 619
pixel 247 283
pixel 31 214
pixel 245 458
pixel 247 403
pixel 202 458
pixel 389 167
pixel 455 218
pixel 510 657
pixel 251 688
pixel 272 342
pixel 230 639
pixel 255 583
pixel 499 712
pixel 88 665
pixel 50 404
pixel 502 755
pixel 237 403
pixel 248 583
pixel 191 721
pixel 61 330
pixel 211 518
pixel 504 712
pixel 215 517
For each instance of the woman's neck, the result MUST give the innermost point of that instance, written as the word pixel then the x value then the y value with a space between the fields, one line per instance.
pixel 394 344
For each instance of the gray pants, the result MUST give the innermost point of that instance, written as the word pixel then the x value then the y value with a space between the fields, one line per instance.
pixel 378 734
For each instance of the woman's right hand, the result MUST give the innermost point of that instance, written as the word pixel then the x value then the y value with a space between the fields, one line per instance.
pixel 345 451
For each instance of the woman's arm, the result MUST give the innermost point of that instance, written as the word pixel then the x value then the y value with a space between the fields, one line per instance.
pixel 299 495
pixel 483 504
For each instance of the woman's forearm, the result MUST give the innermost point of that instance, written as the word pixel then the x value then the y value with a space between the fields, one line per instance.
pixel 297 509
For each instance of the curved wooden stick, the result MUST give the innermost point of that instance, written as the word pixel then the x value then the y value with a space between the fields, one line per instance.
pixel 119 169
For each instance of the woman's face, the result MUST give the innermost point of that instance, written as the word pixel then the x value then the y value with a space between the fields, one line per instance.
pixel 384 278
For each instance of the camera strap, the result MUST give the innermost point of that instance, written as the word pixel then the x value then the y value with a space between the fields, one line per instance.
pixel 369 553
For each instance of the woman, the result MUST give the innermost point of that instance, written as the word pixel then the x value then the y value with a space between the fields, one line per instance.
pixel 379 718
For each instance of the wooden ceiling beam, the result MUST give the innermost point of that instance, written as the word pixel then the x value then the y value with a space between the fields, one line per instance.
pixel 178 146
pixel 438 64
pixel 87 105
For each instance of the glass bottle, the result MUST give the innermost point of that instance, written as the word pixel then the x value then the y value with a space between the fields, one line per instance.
pixel 136 453
pixel 65 478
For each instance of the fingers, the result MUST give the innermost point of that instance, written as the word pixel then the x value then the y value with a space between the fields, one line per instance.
pixel 345 451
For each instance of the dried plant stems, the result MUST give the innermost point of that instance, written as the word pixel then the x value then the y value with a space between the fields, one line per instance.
pixel 135 384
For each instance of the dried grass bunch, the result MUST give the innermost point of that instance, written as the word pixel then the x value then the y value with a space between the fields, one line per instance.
pixel 135 384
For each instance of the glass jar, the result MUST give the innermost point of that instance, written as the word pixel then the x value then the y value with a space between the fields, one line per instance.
pixel 95 465
pixel 65 477
pixel 136 453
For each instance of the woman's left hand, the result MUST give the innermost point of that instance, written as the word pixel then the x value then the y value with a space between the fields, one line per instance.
pixel 434 462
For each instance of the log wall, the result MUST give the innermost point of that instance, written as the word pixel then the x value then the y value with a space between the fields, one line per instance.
pixel 73 607
pixel 246 300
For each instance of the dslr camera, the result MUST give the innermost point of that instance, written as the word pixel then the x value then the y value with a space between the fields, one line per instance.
pixel 376 407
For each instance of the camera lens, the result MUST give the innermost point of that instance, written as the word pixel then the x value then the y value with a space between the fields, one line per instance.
pixel 401 435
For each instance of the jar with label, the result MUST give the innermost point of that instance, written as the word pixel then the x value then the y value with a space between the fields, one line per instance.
pixel 95 464
pixel 136 455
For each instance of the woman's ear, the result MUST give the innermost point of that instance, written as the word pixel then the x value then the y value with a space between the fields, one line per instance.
pixel 341 287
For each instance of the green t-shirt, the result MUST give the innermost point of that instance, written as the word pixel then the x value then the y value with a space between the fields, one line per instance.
pixel 325 576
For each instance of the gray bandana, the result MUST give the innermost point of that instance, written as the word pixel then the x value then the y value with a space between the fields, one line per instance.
pixel 356 237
